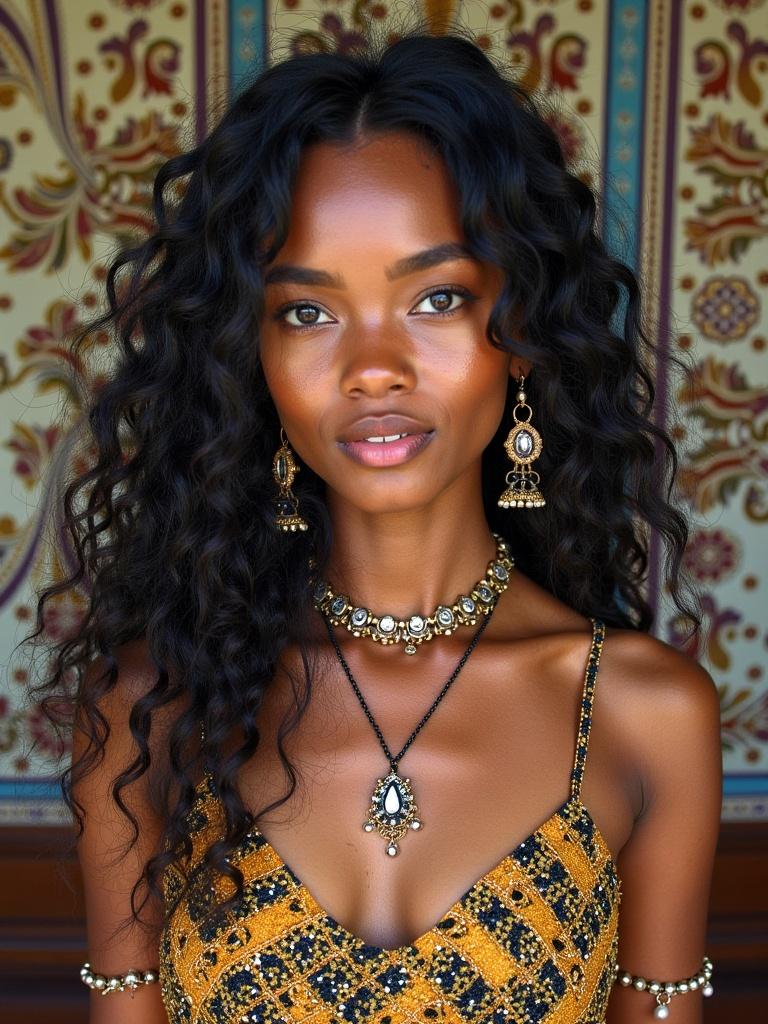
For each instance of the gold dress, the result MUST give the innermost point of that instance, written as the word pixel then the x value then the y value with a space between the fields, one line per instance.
pixel 534 940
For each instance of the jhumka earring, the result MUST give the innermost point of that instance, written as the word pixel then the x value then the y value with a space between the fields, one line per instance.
pixel 284 470
pixel 523 446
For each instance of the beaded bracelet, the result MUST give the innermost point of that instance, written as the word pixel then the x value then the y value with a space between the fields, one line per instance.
pixel 118 982
pixel 664 990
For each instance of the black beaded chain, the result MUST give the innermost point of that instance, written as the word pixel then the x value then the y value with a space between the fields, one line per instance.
pixel 393 761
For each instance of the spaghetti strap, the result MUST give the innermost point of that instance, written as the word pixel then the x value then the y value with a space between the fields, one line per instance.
pixel 587 698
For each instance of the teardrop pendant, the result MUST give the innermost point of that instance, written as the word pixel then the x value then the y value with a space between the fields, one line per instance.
pixel 393 810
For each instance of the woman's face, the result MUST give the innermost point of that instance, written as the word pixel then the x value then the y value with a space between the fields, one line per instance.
pixel 374 326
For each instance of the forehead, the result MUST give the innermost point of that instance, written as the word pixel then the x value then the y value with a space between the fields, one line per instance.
pixel 392 190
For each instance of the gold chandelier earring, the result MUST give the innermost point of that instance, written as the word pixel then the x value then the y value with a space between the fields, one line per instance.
pixel 523 446
pixel 284 470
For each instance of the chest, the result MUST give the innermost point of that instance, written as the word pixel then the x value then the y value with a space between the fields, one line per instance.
pixel 489 767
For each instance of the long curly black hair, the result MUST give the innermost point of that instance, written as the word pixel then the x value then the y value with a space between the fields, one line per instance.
pixel 172 524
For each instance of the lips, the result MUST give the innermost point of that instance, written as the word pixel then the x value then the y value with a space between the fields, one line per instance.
pixel 379 454
pixel 383 426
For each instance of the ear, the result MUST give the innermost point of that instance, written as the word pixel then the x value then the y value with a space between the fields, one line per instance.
pixel 519 367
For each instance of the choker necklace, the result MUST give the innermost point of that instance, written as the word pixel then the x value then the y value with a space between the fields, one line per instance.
pixel 393 808
pixel 339 610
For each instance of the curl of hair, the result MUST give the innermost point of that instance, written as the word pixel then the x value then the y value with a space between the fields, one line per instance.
pixel 172 524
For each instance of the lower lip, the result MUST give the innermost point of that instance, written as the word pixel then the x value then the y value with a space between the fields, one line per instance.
pixel 386 453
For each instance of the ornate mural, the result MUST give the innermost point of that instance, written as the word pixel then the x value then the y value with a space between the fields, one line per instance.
pixel 661 105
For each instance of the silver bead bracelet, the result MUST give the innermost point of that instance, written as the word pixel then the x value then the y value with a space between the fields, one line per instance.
pixel 118 982
pixel 664 990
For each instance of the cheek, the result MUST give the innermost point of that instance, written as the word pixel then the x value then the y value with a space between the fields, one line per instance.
pixel 479 392
pixel 289 380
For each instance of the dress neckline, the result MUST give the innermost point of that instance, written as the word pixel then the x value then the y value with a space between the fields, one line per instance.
pixel 318 911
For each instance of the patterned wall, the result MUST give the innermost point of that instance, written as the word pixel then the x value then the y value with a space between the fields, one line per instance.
pixel 660 104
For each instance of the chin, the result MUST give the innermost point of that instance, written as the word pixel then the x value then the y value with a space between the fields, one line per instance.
pixel 386 499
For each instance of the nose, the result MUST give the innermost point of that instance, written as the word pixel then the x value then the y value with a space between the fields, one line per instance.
pixel 377 363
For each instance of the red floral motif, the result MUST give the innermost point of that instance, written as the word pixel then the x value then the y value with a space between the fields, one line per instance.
pixel 735 219
pixel 743 721
pixel 734 418
pixel 709 644
pixel 566 59
pixel 712 555
pixel 104 175
pixel 160 63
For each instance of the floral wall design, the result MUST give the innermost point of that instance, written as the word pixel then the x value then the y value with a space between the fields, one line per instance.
pixel 661 106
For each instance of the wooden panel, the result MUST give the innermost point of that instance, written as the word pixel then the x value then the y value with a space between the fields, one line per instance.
pixel 42 928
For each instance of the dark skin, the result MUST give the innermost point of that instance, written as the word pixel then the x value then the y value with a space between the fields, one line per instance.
pixel 493 762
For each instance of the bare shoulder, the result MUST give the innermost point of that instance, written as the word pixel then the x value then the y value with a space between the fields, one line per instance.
pixel 137 675
pixel 120 705
pixel 664 710
pixel 137 672
pixel 655 677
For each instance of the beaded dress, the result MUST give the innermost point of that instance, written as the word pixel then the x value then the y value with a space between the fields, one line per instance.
pixel 534 940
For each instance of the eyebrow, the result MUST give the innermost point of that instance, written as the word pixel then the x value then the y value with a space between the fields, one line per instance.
pixel 287 273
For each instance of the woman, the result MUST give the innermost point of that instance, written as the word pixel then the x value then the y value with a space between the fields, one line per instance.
pixel 369 378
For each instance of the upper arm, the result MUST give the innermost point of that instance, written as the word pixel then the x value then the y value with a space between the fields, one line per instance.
pixel 665 867
pixel 110 866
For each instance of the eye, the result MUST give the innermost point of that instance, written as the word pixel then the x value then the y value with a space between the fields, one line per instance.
pixel 442 302
pixel 306 315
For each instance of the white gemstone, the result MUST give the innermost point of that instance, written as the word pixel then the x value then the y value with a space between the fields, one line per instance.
pixel 661 1012
pixel 392 801
pixel 523 443
pixel 387 624
pixel 416 625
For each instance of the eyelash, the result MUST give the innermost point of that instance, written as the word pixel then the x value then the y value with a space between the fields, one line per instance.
pixel 452 290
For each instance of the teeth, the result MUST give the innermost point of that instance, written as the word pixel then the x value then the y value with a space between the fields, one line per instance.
pixel 384 440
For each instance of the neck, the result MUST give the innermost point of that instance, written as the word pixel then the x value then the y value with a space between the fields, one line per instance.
pixel 407 563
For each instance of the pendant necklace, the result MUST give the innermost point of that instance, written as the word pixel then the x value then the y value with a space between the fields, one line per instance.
pixel 393 808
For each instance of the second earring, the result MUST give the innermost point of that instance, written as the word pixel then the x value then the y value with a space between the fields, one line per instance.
pixel 523 446
pixel 284 469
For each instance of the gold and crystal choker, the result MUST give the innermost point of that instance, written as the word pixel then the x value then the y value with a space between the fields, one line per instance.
pixel 340 610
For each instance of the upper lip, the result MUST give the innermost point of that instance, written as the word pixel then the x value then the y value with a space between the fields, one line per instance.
pixel 382 426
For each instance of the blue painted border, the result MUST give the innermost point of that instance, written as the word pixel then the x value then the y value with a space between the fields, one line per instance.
pixel 624 128
pixel 740 783
pixel 30 789
pixel 247 40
